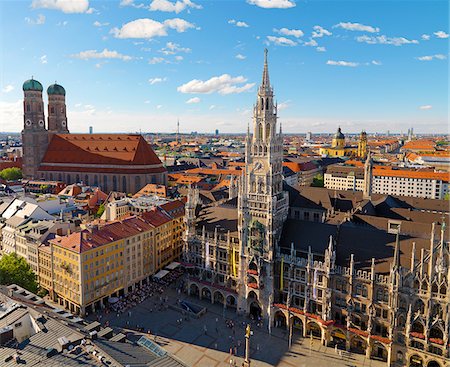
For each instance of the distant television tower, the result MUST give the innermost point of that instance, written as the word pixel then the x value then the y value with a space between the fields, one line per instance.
pixel 178 129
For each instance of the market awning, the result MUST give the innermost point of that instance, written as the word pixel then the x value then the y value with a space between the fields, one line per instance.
pixel 161 274
pixel 173 265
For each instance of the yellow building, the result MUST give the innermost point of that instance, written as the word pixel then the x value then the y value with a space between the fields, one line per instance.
pixel 82 270
pixel 340 149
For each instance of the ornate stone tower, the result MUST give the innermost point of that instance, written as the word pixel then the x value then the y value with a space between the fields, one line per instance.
pixel 262 204
pixel 57 118
pixel 34 133
pixel 338 139
pixel 362 145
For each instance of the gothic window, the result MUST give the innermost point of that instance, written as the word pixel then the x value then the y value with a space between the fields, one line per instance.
pixel 437 311
pixel 52 110
pixel 260 131
pixel 267 131
pixel 262 103
pixel 267 103
pixel 28 108
pixel 253 186
pixel 434 288
pixel 124 183
pixel 443 289
pixel 419 306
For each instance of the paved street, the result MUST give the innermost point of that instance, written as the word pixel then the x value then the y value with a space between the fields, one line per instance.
pixel 206 342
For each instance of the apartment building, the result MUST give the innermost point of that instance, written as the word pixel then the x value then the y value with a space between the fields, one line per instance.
pixel 390 180
pixel 83 270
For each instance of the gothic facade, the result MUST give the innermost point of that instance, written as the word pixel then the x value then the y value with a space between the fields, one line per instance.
pixel 354 288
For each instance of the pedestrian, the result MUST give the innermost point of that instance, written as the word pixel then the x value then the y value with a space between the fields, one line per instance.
pixel 336 349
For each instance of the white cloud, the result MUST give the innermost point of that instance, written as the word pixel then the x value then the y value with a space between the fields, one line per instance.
pixel 283 105
pixel 149 28
pixel 8 88
pixel 168 6
pixel 425 107
pixel 238 23
pixel 281 41
pixel 98 24
pixel 321 49
pixel 38 21
pixel 156 60
pixel 156 80
pixel 396 41
pixel 43 59
pixel 311 42
pixel 319 32
pixel 425 37
pixel 357 27
pixel 10 114
pixel 272 4
pixel 158 107
pixel 289 32
pixel 240 57
pixel 131 3
pixel 105 54
pixel 432 57
pixel 223 84
pixel 66 6
pixel 193 100
pixel 375 62
pixel 179 58
pixel 441 34
pixel 173 48
pixel 62 24
pixel 342 63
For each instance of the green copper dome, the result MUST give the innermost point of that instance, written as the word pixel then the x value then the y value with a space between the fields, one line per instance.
pixel 339 135
pixel 56 89
pixel 32 84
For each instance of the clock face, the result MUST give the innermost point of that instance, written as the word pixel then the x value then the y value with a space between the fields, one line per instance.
pixel 63 123
pixel 41 123
pixel 28 122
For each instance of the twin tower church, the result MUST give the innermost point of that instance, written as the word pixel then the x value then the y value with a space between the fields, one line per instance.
pixel 114 162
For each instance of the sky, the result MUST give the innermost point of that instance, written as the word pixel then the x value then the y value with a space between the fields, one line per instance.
pixel 141 65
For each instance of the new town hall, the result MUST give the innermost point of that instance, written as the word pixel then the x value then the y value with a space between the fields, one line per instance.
pixel 268 252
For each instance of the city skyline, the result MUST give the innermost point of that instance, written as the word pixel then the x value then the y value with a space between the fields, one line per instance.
pixel 361 66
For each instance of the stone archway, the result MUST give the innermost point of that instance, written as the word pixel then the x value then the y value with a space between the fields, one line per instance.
pixel 218 297
pixel 433 363
pixel 415 361
pixel 280 319
pixel 194 290
pixel 255 310
pixel 314 328
pixel 231 301
pixel 297 325
pixel 358 345
pixel 379 352
pixel 206 293
pixel 338 338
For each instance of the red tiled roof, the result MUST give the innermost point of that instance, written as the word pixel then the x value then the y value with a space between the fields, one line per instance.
pixel 174 208
pixel 156 217
pixel 99 149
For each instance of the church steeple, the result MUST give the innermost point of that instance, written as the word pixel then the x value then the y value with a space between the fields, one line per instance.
pixel 265 84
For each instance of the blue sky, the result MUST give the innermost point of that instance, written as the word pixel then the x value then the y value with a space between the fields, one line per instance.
pixel 142 64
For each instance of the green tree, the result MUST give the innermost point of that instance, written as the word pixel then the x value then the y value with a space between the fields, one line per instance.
pixel 11 174
pixel 15 270
pixel 447 196
pixel 100 210
pixel 317 180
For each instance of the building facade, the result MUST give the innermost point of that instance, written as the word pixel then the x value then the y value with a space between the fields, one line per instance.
pixel 313 278
pixel 118 162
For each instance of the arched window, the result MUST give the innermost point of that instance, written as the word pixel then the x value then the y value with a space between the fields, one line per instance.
pixel 267 103
pixel 105 183
pixel 262 103
pixel 267 131
pixel 28 108
pixel 434 288
pixel 114 183
pixel 124 184
pixel 260 131
pixel 52 110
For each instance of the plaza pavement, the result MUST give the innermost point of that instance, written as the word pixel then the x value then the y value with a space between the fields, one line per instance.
pixel 190 343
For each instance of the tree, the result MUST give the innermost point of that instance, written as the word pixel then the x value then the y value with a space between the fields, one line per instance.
pixel 11 174
pixel 317 180
pixel 15 270
pixel 100 210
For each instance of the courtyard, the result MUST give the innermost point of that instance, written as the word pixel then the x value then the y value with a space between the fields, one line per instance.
pixel 216 339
